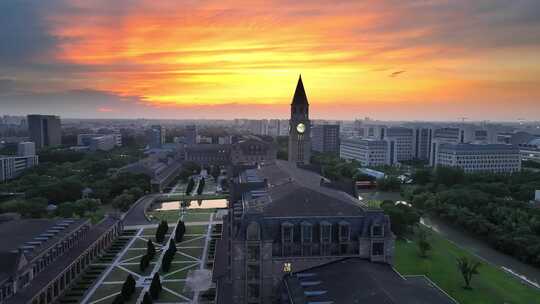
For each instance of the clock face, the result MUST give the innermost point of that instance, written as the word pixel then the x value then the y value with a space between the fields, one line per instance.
pixel 301 128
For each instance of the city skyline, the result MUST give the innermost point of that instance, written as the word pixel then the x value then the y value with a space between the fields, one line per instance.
pixel 420 60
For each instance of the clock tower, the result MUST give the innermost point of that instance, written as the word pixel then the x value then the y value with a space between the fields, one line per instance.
pixel 299 127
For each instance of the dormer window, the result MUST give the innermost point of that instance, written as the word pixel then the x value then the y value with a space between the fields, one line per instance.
pixel 377 231
pixel 326 233
pixel 287 233
pixel 344 232
pixel 307 232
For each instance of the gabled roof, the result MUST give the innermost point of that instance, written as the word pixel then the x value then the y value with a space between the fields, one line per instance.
pixel 300 97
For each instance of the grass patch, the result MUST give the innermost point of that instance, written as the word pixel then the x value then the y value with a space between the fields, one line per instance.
pixel 199 229
pixel 491 286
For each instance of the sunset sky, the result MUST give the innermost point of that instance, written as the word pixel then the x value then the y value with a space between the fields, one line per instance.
pixel 399 60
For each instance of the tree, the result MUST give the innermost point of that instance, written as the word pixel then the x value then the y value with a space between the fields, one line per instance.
pixel 145 261
pixel 200 188
pixel 422 176
pixel 119 299
pixel 128 288
pixel 389 183
pixel 468 268
pixel 190 186
pixel 402 217
pixel 423 242
pixel 180 231
pixel 123 201
pixel 155 286
pixel 172 247
pixel 161 231
pixel 150 249
pixel 147 299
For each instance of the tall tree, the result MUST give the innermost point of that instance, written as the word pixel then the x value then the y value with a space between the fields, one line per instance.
pixel 150 249
pixel 180 231
pixel 423 242
pixel 155 286
pixel 147 299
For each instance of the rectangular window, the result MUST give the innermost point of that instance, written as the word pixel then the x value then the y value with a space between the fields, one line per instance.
pixel 377 230
pixel 344 233
pixel 253 252
pixel 287 233
pixel 306 233
pixel 326 233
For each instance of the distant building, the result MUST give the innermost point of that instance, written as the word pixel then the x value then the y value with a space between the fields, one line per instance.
pixel 530 153
pixel 497 158
pixel 191 135
pixel 45 130
pixel 537 196
pixel 325 139
pixel 400 144
pixel 369 152
pixel 423 136
pixel 102 142
pixel 44 257
pixel 13 166
pixel 156 136
pixel 26 148
pixel 252 151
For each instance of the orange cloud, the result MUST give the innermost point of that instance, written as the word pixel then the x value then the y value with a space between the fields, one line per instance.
pixel 180 53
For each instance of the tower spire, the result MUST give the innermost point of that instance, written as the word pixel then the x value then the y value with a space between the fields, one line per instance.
pixel 300 96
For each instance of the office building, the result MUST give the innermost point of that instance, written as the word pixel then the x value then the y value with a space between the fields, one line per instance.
pixel 156 136
pixel 26 148
pixel 423 137
pixel 400 144
pixel 13 166
pixel 497 158
pixel 369 152
pixel 300 127
pixel 45 130
pixel 325 139
pixel 191 135
pixel 101 142
pixel 45 256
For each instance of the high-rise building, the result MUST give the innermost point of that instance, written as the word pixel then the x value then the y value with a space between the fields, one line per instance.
pixel 191 135
pixel 45 130
pixel 325 138
pixel 400 144
pixel 156 136
pixel 300 127
pixel 26 148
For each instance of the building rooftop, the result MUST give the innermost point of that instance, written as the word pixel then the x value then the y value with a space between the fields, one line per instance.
pixel 61 264
pixel 355 280
pixel 478 147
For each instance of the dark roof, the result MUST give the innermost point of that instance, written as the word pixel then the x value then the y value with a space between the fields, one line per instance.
pixel 300 97
pixel 355 280
pixel 28 229
pixel 55 268
pixel 293 199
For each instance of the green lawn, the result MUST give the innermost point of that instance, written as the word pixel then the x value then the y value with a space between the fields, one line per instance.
pixel 491 286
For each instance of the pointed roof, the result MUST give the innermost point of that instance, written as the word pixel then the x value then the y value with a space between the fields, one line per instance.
pixel 300 97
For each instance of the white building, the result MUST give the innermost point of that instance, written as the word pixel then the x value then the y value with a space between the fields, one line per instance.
pixel 496 158
pixel 26 148
pixel 369 152
pixel 13 166
pixel 400 144
pixel 103 142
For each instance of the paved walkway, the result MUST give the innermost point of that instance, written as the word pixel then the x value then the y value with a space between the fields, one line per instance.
pixel 136 216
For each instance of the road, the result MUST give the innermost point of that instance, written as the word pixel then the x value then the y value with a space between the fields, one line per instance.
pixel 135 216
pixel 526 273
